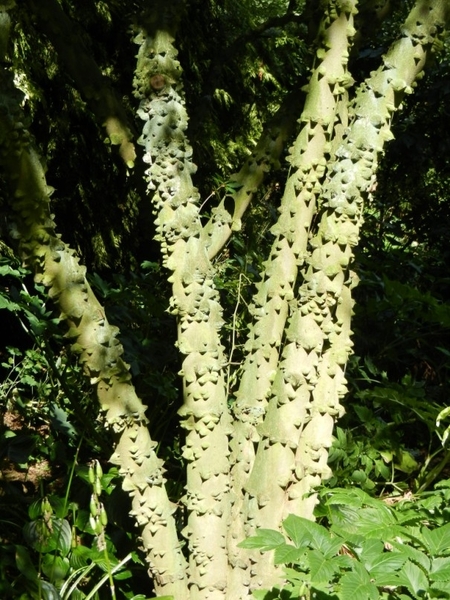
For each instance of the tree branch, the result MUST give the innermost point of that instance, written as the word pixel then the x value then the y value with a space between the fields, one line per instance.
pixel 265 156
pixel 95 341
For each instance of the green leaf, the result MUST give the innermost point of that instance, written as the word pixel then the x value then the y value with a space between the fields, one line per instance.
pixel 285 554
pixel 58 505
pixel 121 575
pixel 55 567
pixel 405 462
pixel 437 540
pixel 260 594
pixel 47 536
pixel 63 535
pixel 48 591
pixel 412 577
pixel 79 557
pixel 304 532
pixel 415 555
pixel 440 590
pixel 440 569
pixel 273 594
pixel 350 497
pixel 387 563
pixel 322 568
pixel 60 421
pixel 359 477
pixel 151 266
pixel 8 270
pixel 6 303
pixel 357 585
pixel 369 552
pixel 387 580
pixel 35 509
pixel 20 448
pixel 377 523
pixel 24 563
pixel 264 540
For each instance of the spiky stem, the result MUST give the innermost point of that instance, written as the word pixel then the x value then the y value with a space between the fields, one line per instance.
pixel 95 341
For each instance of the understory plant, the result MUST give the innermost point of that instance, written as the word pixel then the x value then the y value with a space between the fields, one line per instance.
pixel 363 548
pixel 66 549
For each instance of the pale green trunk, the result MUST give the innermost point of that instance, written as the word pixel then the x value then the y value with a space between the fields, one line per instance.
pixel 195 303
pixel 262 378
pixel 56 266
pixel 310 381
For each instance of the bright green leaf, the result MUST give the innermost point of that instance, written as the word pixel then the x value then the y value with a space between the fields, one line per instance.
pixel 415 555
pixel 440 589
pixel 264 540
pixel 357 585
pixel 285 554
pixel 322 568
pixel 412 577
pixel 437 540
pixel 304 532
pixel 387 562
pixel 369 552
pixel 376 523
pixel 440 569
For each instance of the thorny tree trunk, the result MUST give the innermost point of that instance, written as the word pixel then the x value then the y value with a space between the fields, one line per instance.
pixel 251 466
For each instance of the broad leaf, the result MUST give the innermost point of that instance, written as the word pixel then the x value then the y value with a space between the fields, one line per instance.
pixel 286 554
pixel 355 497
pixel 48 591
pixel 412 577
pixel 60 421
pixel 322 568
pixel 304 532
pixel 55 567
pixel 273 594
pixel 415 555
pixel 440 569
pixel 24 563
pixel 377 523
pixel 357 585
pixel 80 556
pixel 47 536
pixel 437 540
pixel 440 589
pixel 63 535
pixel 388 580
pixel 388 562
pixel 265 539
pixel 369 552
